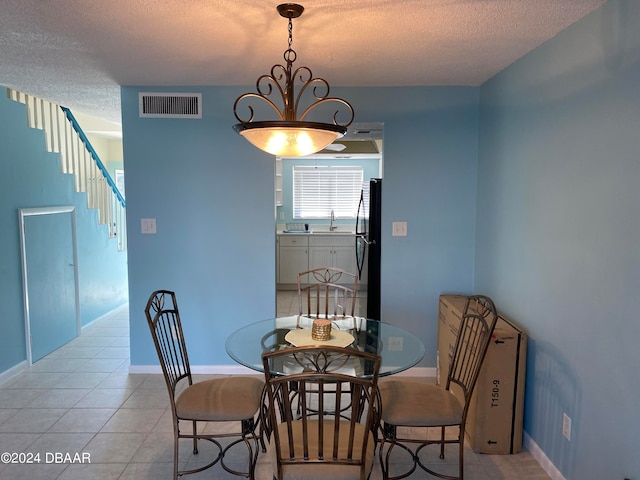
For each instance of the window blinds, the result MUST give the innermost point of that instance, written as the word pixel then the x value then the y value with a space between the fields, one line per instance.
pixel 319 189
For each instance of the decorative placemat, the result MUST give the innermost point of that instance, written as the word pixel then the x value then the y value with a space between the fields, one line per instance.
pixel 301 337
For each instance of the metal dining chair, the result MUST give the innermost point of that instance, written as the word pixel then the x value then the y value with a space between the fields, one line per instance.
pixel 419 406
pixel 337 437
pixel 228 399
pixel 328 293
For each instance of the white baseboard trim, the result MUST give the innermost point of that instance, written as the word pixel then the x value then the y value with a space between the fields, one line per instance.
pixel 537 453
pixel 13 371
pixel 240 370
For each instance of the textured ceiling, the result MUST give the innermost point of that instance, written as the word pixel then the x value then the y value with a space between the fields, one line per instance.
pixel 77 53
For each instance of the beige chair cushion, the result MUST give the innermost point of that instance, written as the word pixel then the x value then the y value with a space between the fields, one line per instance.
pixel 221 399
pixel 417 404
pixel 322 471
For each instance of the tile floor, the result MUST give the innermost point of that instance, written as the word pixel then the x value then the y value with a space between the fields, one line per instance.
pixel 81 400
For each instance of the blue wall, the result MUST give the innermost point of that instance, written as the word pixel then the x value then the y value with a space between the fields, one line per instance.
pixel 212 194
pixel 30 177
pixel 558 242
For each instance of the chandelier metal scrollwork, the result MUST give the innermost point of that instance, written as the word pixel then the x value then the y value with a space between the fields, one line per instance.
pixel 291 135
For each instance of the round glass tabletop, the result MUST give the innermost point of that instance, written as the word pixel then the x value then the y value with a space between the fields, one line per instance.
pixel 398 348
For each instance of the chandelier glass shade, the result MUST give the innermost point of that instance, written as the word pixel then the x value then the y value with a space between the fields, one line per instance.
pixel 291 135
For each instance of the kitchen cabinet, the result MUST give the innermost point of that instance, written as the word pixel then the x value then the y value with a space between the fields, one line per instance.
pixel 336 251
pixel 297 253
pixel 293 257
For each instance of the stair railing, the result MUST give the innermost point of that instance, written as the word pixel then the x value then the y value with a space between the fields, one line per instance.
pixel 63 135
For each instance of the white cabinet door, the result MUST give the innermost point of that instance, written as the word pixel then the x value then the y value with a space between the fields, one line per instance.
pixel 293 257
pixel 333 251
pixel 293 260
pixel 337 251
pixel 321 257
pixel 345 258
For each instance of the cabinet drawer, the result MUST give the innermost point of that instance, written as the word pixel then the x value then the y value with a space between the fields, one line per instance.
pixel 332 241
pixel 293 240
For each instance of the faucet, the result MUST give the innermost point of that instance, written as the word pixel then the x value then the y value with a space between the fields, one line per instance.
pixel 332 227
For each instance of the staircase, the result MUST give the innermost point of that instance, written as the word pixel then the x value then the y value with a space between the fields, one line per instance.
pixel 64 136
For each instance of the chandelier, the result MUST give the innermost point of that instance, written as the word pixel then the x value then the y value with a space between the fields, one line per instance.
pixel 290 135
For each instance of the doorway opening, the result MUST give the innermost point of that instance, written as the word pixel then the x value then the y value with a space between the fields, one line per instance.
pixel 322 238
pixel 49 257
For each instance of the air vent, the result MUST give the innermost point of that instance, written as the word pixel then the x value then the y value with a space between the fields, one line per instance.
pixel 170 105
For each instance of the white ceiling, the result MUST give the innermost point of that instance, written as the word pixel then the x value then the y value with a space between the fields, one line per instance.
pixel 77 53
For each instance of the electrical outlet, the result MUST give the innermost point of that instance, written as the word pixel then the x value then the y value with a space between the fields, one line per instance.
pixel 399 229
pixel 566 426
pixel 395 344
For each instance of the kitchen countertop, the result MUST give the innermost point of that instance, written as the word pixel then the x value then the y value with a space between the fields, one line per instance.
pixel 316 232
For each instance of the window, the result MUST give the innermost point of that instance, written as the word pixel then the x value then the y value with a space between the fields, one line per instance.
pixel 319 189
pixel 120 181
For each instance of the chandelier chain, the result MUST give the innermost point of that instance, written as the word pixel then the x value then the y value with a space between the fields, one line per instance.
pixel 290 33
pixel 313 92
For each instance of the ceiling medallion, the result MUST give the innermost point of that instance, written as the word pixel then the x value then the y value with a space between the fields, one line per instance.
pixel 290 135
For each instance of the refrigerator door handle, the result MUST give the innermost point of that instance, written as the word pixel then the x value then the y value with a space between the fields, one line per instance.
pixel 361 248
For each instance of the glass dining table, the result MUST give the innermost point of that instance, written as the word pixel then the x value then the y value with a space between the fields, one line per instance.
pixel 398 348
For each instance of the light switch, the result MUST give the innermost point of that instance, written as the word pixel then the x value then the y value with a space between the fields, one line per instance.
pixel 148 225
pixel 399 229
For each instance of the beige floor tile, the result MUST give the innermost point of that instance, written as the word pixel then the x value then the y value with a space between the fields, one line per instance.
pixel 17 442
pixel 108 365
pixel 132 420
pixel 122 380
pixel 120 342
pixel 57 364
pixel 81 380
pixel 89 341
pixel 39 471
pixel 148 398
pixel 69 351
pixel 36 380
pixel 105 398
pixel 158 447
pixel 77 420
pixel 149 471
pixel 93 471
pixel 114 352
pixel 106 331
pixel 114 447
pixel 70 443
pixel 58 398
pixel 32 420
pixel 18 397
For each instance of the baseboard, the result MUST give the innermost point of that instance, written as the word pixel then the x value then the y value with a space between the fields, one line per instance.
pixel 13 371
pixel 537 453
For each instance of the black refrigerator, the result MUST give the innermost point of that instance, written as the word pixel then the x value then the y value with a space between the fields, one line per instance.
pixel 368 243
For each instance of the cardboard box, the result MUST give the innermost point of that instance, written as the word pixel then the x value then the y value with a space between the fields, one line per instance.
pixel 494 421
